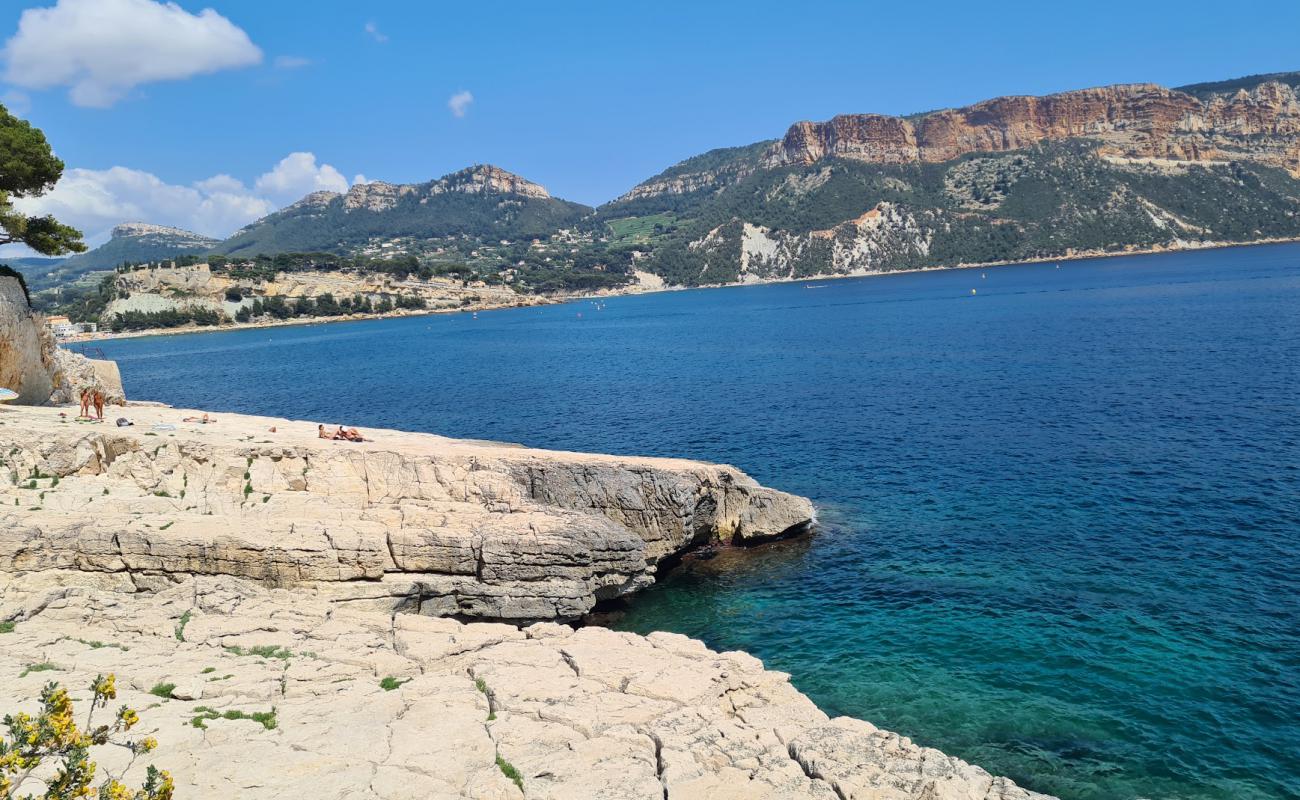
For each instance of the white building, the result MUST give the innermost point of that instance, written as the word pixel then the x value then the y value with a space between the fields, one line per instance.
pixel 62 327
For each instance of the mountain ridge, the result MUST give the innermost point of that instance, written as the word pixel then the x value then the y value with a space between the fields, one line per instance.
pixel 479 201
pixel 1106 169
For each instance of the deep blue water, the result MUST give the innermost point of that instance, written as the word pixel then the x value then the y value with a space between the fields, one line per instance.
pixel 1061 517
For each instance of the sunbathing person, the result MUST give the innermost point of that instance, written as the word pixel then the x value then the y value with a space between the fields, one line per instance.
pixel 85 403
pixel 203 420
pixel 98 399
pixel 348 435
pixel 321 433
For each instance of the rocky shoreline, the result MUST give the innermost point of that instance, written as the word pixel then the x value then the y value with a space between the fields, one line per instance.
pixel 408 521
pixel 228 570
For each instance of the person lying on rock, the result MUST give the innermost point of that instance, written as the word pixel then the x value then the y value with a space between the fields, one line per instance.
pixel 203 420
pixel 349 434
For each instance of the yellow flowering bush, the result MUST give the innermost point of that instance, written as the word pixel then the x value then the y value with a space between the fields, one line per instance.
pixel 52 735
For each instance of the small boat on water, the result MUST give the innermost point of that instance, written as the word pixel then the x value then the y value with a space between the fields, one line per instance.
pixel 814 286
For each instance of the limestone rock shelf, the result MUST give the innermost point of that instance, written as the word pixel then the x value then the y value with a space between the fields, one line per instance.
pixel 411 522
pixel 224 571
pixel 582 714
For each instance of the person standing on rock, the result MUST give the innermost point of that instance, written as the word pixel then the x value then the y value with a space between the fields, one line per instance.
pixel 85 402
pixel 99 404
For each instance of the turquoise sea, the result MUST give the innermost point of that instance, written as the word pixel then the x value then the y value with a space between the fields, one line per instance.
pixel 1060 516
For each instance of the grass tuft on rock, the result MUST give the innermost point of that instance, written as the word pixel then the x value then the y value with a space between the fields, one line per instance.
pixel 267 719
pixel 508 770
pixel 262 651
pixel 180 626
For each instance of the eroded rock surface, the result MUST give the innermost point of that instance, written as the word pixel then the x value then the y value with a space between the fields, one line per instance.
pixel 589 713
pixel 410 521
pixel 26 350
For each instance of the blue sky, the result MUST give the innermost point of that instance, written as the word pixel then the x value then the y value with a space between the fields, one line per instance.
pixel 587 98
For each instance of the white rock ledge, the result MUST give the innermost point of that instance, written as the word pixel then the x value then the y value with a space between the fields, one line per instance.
pixel 410 521
pixel 587 713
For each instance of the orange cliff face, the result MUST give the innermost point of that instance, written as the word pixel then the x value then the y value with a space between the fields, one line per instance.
pixel 1132 120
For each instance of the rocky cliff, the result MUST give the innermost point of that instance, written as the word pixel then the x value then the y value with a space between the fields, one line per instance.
pixel 410 521
pixel 483 179
pixel 33 366
pixel 1132 121
pixel 1116 169
pixel 26 349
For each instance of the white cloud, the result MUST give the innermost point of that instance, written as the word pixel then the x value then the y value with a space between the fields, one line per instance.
pixel 96 200
pixel 359 179
pixel 102 49
pixel 296 175
pixel 459 103
pixel 373 30
pixel 291 62
pixel 221 183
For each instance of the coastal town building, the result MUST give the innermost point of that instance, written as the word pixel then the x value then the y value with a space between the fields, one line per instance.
pixel 62 327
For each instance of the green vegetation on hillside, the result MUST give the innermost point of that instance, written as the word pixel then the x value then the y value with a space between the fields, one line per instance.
pixel 141 248
pixel 1041 202
pixel 332 227
pixel 172 318
pixel 641 230
pixel 325 305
